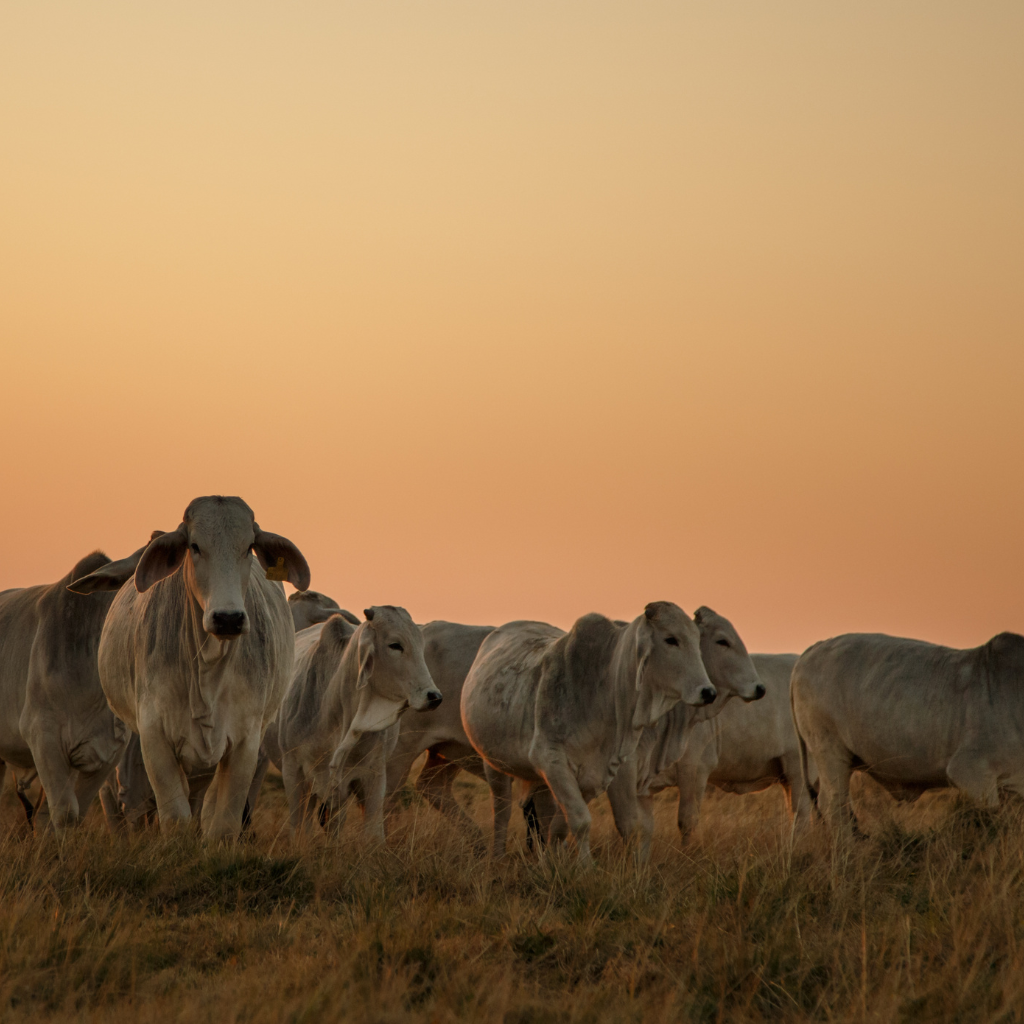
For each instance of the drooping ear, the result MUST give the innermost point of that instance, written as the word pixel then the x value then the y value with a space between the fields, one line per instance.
pixel 644 646
pixel 162 557
pixel 272 547
pixel 365 653
pixel 112 576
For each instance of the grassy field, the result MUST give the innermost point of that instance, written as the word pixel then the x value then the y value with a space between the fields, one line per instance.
pixel 924 921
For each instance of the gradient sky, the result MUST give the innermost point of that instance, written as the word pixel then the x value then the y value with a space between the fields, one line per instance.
pixel 523 310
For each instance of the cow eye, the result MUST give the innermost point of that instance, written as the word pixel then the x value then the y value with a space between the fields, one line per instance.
pixel 396 647
pixel 672 640
pixel 194 548
pixel 722 643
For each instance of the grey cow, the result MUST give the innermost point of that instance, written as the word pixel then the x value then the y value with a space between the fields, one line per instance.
pixel 340 716
pixel 54 718
pixel 568 709
pixel 744 749
pixel 913 715
pixel 195 658
pixel 732 674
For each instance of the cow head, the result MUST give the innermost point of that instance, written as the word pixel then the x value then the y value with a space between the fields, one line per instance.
pixel 726 659
pixel 391 659
pixel 668 660
pixel 219 536
pixel 391 675
pixel 310 607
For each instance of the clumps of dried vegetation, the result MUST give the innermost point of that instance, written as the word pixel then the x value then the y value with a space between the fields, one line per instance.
pixel 923 921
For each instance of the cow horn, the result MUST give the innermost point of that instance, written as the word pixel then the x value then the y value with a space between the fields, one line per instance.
pixel 368 614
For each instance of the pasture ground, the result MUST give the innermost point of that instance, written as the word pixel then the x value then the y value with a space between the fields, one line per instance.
pixel 923 921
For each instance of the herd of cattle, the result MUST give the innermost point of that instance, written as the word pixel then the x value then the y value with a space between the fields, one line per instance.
pixel 167 682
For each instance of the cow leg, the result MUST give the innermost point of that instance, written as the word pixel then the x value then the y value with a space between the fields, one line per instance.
pixel 113 813
pixel 798 798
pixel 435 784
pixel 692 781
pixel 969 771
pixel 373 788
pixel 626 810
pixel 262 767
pixel 166 776
pixel 299 791
pixel 57 778
pixel 565 789
pixel 538 809
pixel 232 780
pixel 501 807
pixel 834 769
pixel 88 787
pixel 400 763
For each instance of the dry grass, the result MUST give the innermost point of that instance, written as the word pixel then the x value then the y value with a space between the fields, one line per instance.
pixel 922 922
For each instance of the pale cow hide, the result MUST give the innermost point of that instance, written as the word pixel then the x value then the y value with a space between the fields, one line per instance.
pixel 913 715
pixel 339 720
pixel 568 709
pixel 196 657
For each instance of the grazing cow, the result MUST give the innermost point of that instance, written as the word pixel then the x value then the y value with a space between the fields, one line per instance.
pixel 339 719
pixel 54 719
pixel 310 607
pixel 568 709
pixel 732 673
pixel 196 656
pixel 913 715
pixel 743 749
pixel 449 649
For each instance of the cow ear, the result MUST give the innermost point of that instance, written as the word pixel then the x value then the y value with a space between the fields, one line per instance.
pixel 162 557
pixel 271 548
pixel 112 576
pixel 365 658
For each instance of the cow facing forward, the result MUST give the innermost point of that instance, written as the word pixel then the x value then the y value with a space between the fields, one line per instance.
pixel 196 656
pixel 913 715
pixel 568 709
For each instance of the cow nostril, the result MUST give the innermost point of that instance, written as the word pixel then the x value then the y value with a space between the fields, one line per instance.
pixel 433 700
pixel 228 623
pixel 708 694
pixel 759 691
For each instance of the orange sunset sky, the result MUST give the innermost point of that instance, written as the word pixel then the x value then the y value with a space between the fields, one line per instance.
pixel 523 310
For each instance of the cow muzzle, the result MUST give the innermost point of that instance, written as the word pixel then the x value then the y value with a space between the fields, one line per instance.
pixel 431 700
pixel 227 624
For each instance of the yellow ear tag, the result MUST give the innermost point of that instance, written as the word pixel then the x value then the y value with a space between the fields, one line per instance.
pixel 278 572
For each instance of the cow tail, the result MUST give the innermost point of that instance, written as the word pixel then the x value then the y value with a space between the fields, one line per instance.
pixel 811 791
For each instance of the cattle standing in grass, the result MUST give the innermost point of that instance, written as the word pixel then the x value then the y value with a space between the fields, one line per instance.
pixel 744 749
pixel 339 719
pixel 196 656
pixel 568 709
pixel 54 718
pixel 449 649
pixel 913 715
pixel 731 672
